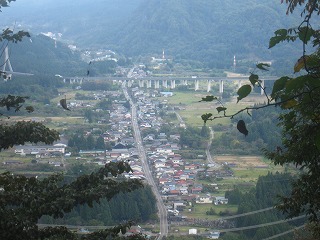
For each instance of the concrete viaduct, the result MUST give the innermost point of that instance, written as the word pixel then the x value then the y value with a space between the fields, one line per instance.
pixel 171 82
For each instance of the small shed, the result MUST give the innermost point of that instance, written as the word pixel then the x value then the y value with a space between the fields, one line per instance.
pixel 193 231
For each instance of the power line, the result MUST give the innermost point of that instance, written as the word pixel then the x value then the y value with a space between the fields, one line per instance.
pixel 284 233
pixel 246 214
pixel 259 225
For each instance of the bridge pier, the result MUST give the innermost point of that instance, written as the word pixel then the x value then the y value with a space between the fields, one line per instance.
pixel 196 85
pixel 165 83
pixel 209 86
pixel 185 82
pixel 141 83
pixel 78 80
pixel 220 86
pixel 156 84
pixel 172 84
pixel 149 83
pixel 130 83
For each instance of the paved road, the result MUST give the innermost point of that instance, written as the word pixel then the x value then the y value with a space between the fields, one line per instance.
pixel 209 157
pixel 180 118
pixel 145 166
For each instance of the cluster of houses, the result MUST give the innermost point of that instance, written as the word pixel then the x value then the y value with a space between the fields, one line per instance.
pixel 174 175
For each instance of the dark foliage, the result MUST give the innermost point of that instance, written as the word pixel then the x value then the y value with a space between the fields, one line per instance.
pixel 266 194
pixel 25 200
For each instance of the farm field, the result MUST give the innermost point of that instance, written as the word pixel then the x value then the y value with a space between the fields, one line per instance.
pixel 239 162
pixel 199 211
pixel 191 109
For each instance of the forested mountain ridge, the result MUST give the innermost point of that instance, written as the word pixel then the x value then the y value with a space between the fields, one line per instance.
pixel 41 55
pixel 201 30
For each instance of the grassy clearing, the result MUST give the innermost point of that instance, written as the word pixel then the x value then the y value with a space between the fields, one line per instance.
pixel 192 109
pixel 199 211
pixel 11 155
pixel 251 174
pixel 180 98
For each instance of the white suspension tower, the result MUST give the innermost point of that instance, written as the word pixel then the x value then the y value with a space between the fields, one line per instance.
pixel 5 63
pixel 234 63
pixel 7 73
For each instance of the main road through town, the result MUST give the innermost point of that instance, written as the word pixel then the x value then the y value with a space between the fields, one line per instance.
pixel 144 162
pixel 209 157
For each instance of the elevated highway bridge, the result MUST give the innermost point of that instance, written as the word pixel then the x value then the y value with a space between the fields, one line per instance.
pixel 172 82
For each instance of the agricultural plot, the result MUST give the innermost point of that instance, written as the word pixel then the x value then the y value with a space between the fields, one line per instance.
pixel 240 162
pixel 191 109
pixel 246 169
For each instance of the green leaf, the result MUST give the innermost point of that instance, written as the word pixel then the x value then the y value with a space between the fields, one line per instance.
pixel 205 117
pixel 279 85
pixel 317 140
pixel 312 81
pixel 281 32
pixel 312 62
pixel 305 33
pixel 262 66
pixel 289 104
pixel 274 41
pixel 241 126
pixel 295 84
pixel 253 79
pixel 208 99
pixel 281 35
pixel 244 91
pixel 221 109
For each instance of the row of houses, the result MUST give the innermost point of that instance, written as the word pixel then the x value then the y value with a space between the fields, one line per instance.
pixel 175 176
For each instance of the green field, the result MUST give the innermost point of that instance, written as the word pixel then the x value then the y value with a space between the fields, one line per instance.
pixel 191 109
pixel 199 211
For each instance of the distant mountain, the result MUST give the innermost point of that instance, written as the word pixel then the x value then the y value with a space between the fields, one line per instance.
pixel 84 22
pixel 204 30
pixel 200 30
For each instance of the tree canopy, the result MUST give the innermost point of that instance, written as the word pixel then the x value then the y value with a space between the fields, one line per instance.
pixel 298 97
pixel 25 200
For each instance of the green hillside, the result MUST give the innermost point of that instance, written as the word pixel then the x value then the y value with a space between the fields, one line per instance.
pixel 40 55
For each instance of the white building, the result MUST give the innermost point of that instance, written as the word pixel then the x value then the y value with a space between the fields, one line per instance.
pixel 39 150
